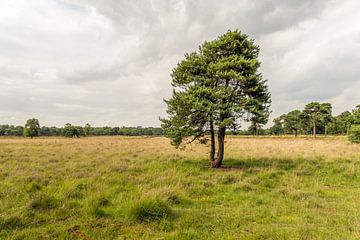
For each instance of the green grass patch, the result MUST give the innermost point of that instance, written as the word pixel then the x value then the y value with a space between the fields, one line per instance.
pixel 44 202
pixel 151 209
pixel 143 188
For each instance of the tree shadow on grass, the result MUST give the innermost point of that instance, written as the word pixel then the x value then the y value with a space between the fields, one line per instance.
pixel 249 164
pixel 301 166
pixel 263 163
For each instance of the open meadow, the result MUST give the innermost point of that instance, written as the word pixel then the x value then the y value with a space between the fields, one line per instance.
pixel 143 188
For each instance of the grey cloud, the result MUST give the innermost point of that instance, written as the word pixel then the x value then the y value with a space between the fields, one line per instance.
pixel 109 62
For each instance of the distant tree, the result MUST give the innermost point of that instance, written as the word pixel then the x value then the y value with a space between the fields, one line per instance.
pixel 45 131
pixel 2 130
pixel 257 120
pixel 356 115
pixel 54 131
pixel 7 130
pixel 73 131
pixel 18 131
pixel 255 128
pixel 278 127
pixel 318 113
pixel 293 121
pixel 32 128
pixel 312 112
pixel 341 123
pixel 115 131
pixel 354 134
pixel 326 115
pixel 87 129
pixel 215 88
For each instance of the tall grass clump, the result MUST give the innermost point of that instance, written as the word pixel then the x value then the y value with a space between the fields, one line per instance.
pixel 151 209
pixel 354 134
pixel 97 206
pixel 44 202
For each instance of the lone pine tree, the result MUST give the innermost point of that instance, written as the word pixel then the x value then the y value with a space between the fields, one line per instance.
pixel 215 88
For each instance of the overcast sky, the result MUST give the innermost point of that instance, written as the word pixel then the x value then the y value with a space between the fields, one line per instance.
pixel 109 62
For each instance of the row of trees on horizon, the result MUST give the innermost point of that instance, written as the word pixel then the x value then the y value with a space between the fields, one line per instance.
pixel 315 118
pixel 32 128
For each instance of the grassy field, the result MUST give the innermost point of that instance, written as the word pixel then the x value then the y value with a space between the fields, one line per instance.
pixel 143 188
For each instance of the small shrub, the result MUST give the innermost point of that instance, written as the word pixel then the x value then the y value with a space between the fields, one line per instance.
pixel 151 209
pixel 354 134
pixel 44 202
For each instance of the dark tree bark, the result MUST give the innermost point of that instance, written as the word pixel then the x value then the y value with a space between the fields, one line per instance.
pixel 212 144
pixel 220 154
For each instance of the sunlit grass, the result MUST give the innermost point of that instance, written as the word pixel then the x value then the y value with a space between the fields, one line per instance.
pixel 141 187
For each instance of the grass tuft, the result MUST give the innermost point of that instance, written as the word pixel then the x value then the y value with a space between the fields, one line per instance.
pixel 103 201
pixel 151 209
pixel 44 202
pixel 98 212
pixel 32 187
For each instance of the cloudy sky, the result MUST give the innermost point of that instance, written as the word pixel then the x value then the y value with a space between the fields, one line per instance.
pixel 108 62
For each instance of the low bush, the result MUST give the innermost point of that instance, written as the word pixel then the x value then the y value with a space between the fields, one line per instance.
pixel 151 209
pixel 354 134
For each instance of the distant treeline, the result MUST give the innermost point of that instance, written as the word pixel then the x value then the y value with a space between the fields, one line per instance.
pixel 315 118
pixel 77 131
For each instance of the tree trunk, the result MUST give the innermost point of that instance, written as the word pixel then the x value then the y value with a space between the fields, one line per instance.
pixel 220 154
pixel 212 144
pixel 325 130
pixel 314 129
pixel 296 132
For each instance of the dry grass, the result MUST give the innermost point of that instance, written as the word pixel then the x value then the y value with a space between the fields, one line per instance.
pixel 272 188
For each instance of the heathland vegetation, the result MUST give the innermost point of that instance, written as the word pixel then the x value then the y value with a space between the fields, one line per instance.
pixel 143 188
